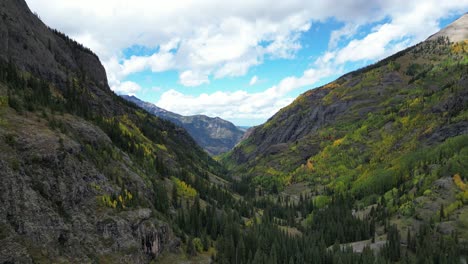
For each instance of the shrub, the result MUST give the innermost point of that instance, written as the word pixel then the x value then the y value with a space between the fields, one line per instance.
pixel 197 243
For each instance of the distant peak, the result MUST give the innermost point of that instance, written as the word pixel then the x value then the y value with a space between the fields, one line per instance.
pixel 456 31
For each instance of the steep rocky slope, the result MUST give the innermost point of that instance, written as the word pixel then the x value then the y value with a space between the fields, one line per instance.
pixel 391 136
pixel 33 47
pixel 84 174
pixel 397 129
pixel 215 135
pixel 53 192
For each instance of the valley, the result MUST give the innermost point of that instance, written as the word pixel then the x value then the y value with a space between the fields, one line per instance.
pixel 213 134
pixel 369 168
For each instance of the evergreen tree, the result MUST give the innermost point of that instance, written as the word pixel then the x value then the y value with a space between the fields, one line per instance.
pixel 161 201
pixel 191 251
pixel 441 212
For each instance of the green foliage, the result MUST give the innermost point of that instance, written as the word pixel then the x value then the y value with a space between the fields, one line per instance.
pixel 120 200
pixel 391 148
pixel 384 153
pixel 321 201
pixel 391 249
pixel 161 200
pixel 3 101
pixel 190 249
pixel 363 152
pixel 197 243
pixel 393 66
pixel 413 69
pixel 183 189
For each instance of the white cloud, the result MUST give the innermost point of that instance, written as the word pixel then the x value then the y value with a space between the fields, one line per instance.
pixel 409 24
pixel 227 49
pixel 126 88
pixel 241 104
pixel 190 78
pixel 343 33
pixel 224 39
pixel 373 46
pixel 206 39
pixel 235 68
pixel 383 40
pixel 254 80
pixel 158 62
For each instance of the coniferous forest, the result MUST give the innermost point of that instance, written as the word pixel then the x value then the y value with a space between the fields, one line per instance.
pixel 108 182
pixel 253 229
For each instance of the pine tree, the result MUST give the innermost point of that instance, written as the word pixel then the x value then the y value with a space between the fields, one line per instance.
pixel 441 212
pixel 174 197
pixel 205 242
pixel 190 248
pixel 161 201
pixel 241 251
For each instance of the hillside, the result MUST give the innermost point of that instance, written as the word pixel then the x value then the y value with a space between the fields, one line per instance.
pixel 397 129
pixel 214 135
pixel 416 98
pixel 339 176
pixel 85 176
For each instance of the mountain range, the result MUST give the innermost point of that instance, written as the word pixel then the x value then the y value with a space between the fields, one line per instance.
pixel 370 168
pixel 214 135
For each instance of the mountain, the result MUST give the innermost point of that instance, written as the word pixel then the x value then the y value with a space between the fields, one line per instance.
pixel 386 89
pixel 85 175
pixel 455 32
pixel 215 135
pixel 396 129
pixel 244 128
pixel 336 177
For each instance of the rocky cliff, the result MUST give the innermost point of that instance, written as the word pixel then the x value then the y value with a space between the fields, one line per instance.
pixel 82 171
pixel 51 195
pixel 32 46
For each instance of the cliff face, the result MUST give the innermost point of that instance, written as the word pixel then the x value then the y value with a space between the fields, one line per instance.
pixel 52 193
pixel 30 45
pixel 33 47
pixel 214 135
pixel 79 167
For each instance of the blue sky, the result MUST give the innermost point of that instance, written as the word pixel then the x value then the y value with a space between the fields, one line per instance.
pixel 240 61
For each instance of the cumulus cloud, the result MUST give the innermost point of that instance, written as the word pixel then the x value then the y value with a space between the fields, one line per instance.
pixel 228 49
pixel 383 40
pixel 226 39
pixel 127 87
pixel 241 104
pixel 190 78
pixel 221 39
pixel 409 24
pixel 343 33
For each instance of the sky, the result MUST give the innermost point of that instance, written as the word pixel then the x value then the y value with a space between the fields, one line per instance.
pixel 240 60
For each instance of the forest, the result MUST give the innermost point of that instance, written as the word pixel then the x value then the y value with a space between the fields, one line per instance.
pixel 239 220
